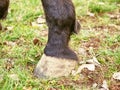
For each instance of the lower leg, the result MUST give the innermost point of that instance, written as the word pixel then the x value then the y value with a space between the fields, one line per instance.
pixel 58 59
pixel 57 45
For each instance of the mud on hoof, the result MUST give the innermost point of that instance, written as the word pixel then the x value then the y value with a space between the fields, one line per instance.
pixel 51 67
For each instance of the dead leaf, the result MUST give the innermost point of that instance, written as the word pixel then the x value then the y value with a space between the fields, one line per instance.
pixel 9 64
pixel 9 28
pixel 1 78
pixel 36 41
pixel 41 20
pixel 0 26
pixel 90 67
pixel 104 86
pixel 93 61
pixel 90 14
pixel 116 76
pixel 27 88
pixel 117 16
pixel 34 24
pixel 13 77
pixel 9 43
pixel 53 89
pixel 82 51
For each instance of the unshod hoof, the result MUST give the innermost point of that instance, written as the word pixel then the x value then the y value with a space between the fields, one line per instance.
pixel 52 67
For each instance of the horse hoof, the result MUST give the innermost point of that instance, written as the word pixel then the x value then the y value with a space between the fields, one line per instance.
pixel 52 67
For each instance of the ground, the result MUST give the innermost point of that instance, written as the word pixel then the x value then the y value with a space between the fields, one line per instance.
pixel 25 34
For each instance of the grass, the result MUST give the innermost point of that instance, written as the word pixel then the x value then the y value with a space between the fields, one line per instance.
pixel 19 54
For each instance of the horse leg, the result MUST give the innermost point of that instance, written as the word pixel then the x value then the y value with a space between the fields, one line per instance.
pixel 58 59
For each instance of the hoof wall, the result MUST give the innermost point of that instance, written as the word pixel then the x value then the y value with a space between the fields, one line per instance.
pixel 52 67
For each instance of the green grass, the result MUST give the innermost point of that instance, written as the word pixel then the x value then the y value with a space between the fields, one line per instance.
pixel 100 7
pixel 96 6
pixel 16 44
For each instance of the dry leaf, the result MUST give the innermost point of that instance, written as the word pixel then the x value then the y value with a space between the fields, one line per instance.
pixel 90 67
pixel 104 86
pixel 13 77
pixel 116 76
pixel 93 61
pixel 41 20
